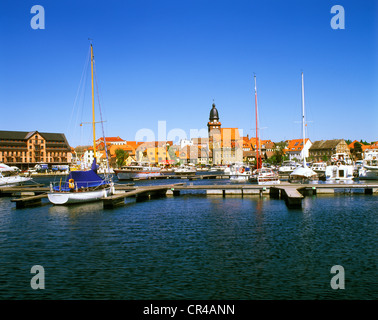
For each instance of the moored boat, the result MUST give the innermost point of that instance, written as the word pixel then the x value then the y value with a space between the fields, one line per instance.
pixel 319 168
pixel 137 171
pixel 240 173
pixel 264 176
pixel 369 170
pixel 82 186
pixel 287 167
pixel 10 177
pixel 341 168
pixel 185 170
pixel 303 173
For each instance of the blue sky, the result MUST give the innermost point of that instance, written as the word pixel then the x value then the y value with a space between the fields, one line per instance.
pixel 167 61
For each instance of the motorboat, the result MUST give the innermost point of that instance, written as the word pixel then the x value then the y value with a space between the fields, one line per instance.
pixel 10 177
pixel 341 168
pixel 185 170
pixel 319 167
pixel 341 157
pixel 339 171
pixel 83 186
pixel 287 167
pixel 137 170
pixel 239 173
pixel 369 169
pixel 217 169
pixel 264 176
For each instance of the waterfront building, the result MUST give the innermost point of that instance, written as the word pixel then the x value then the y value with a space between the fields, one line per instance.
pixel 155 152
pixel 129 151
pixel 186 142
pixel 372 146
pixel 195 154
pixel 26 149
pixel 225 144
pixel 296 150
pixel 112 141
pixel 324 149
pixel 266 149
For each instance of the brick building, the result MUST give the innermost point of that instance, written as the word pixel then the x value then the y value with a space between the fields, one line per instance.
pixel 26 149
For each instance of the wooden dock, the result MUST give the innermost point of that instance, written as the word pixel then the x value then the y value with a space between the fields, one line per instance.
pixel 184 176
pixel 290 194
pixel 293 194
pixel 29 201
pixel 139 193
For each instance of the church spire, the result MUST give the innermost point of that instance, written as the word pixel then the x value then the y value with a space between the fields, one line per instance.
pixel 214 113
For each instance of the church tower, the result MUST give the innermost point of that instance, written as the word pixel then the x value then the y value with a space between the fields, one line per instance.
pixel 214 128
pixel 213 125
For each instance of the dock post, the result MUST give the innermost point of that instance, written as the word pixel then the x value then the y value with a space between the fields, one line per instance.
pixel 368 190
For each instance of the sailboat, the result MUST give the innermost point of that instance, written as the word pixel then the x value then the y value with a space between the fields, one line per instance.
pixel 261 175
pixel 82 186
pixel 303 173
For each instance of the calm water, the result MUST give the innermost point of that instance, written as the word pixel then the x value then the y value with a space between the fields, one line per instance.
pixel 192 247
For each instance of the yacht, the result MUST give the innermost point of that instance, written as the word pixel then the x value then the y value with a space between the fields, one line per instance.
pixel 9 176
pixel 287 167
pixel 82 186
pixel 239 173
pixel 369 169
pixel 217 169
pixel 264 176
pixel 302 173
pixel 341 168
pixel 320 169
pixel 137 171
pixel 185 170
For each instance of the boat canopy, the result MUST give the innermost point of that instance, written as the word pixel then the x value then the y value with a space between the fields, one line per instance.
pixel 82 179
pixel 303 172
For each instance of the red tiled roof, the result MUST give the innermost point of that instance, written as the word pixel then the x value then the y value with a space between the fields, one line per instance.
pixel 296 145
pixel 110 139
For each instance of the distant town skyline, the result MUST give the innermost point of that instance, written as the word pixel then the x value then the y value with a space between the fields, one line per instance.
pixel 164 63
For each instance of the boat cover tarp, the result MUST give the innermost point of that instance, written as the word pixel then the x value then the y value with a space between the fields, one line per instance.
pixel 303 172
pixel 82 179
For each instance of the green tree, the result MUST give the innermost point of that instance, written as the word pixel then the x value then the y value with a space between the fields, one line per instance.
pixel 121 156
pixel 357 150
pixel 279 154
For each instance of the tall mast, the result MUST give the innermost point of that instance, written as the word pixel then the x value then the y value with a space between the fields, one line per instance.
pixel 93 107
pixel 303 123
pixel 257 129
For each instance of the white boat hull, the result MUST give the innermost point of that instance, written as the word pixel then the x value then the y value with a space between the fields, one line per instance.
pixel 368 174
pixel 185 172
pixel 240 178
pixel 266 181
pixel 342 172
pixel 129 175
pixel 13 181
pixel 62 198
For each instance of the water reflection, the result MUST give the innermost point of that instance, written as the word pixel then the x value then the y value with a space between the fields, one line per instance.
pixel 74 210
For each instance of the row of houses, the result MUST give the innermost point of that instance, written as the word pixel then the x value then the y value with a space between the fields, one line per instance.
pixel 223 146
pixel 198 151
